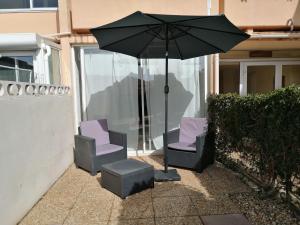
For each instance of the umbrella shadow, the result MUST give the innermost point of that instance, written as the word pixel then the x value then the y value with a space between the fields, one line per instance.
pixel 120 103
pixel 178 101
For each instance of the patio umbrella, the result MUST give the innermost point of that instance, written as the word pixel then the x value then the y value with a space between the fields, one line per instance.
pixel 145 35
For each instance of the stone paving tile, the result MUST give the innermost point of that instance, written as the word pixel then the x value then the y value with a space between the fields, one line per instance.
pixel 232 219
pixel 156 161
pixel 78 198
pixel 187 220
pixel 171 189
pixel 56 203
pixel 136 206
pixel 64 193
pixel 93 206
pixel 148 221
pixel 45 213
pixel 174 206
pixel 213 206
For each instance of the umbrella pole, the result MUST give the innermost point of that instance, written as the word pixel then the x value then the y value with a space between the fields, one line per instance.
pixel 166 175
pixel 166 90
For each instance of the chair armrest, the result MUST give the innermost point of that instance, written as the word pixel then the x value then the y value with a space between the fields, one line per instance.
pixel 173 136
pixel 85 145
pixel 117 138
pixel 200 140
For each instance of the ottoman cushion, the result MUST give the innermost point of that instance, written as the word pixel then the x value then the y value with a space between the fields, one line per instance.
pixel 127 176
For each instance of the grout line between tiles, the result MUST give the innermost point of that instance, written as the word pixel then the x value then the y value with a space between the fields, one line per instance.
pixel 83 186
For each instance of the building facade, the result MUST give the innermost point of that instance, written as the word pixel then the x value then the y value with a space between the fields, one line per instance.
pixel 48 41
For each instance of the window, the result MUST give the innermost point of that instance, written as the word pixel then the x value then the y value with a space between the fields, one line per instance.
pixel 45 3
pixel 260 79
pixel 229 78
pixel 17 68
pixel 290 75
pixel 27 4
pixel 14 4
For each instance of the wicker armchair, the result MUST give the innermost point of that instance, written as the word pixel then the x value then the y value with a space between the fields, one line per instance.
pixel 186 144
pixel 96 145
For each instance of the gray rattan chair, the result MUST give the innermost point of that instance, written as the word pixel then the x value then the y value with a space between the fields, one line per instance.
pixel 186 144
pixel 96 146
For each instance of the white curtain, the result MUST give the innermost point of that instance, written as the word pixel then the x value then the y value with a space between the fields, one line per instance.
pixel 112 91
pixel 184 96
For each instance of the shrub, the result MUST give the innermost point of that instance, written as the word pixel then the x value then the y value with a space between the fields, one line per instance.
pixel 263 130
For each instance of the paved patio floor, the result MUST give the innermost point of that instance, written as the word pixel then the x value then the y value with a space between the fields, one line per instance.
pixel 78 199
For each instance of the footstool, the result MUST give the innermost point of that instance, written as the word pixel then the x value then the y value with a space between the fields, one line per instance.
pixel 126 177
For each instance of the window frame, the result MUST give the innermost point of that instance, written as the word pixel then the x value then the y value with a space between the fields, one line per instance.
pixel 22 53
pixel 30 9
pixel 244 63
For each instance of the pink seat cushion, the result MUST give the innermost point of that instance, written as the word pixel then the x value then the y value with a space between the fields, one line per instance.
pixel 97 129
pixel 183 146
pixel 190 128
pixel 107 148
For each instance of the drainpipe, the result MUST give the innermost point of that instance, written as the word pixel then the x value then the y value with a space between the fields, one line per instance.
pixel 46 48
pixel 274 36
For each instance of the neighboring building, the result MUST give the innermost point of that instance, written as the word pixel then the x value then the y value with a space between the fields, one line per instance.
pixel 48 41
pixel 25 52
pixel 271 57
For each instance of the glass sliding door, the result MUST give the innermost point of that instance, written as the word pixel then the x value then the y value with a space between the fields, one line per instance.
pixel 111 91
pixel 260 79
pixel 184 96
pixel 254 76
pixel 290 75
pixel 132 97
pixel 229 78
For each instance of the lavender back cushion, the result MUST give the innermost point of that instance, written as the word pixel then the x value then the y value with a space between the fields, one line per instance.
pixel 190 128
pixel 97 129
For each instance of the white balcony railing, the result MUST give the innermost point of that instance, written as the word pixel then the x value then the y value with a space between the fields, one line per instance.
pixel 11 88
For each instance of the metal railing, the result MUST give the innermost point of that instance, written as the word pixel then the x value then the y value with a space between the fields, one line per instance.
pixel 17 72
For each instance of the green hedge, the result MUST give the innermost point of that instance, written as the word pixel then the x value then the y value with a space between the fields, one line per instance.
pixel 263 130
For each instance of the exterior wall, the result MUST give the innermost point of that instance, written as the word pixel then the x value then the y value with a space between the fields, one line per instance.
pixel 244 54
pixel 36 139
pixel 102 11
pixel 258 13
pixel 26 22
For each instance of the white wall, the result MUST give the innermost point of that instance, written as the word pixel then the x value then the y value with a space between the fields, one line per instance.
pixel 36 142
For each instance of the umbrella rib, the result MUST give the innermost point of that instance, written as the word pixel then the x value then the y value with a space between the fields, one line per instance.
pixel 199 39
pixel 177 46
pixel 198 18
pixel 138 55
pixel 163 21
pixel 156 33
pixel 153 17
pixel 203 28
pixel 124 39
pixel 120 27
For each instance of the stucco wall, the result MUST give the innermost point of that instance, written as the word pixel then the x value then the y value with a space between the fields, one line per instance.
pixel 29 22
pixel 266 13
pixel 36 141
pixel 102 11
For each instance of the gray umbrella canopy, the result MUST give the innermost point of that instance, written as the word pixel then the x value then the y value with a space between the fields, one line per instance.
pixel 144 35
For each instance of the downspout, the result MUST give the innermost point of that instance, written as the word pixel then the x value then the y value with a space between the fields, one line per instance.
pixel 46 48
pixel 275 36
